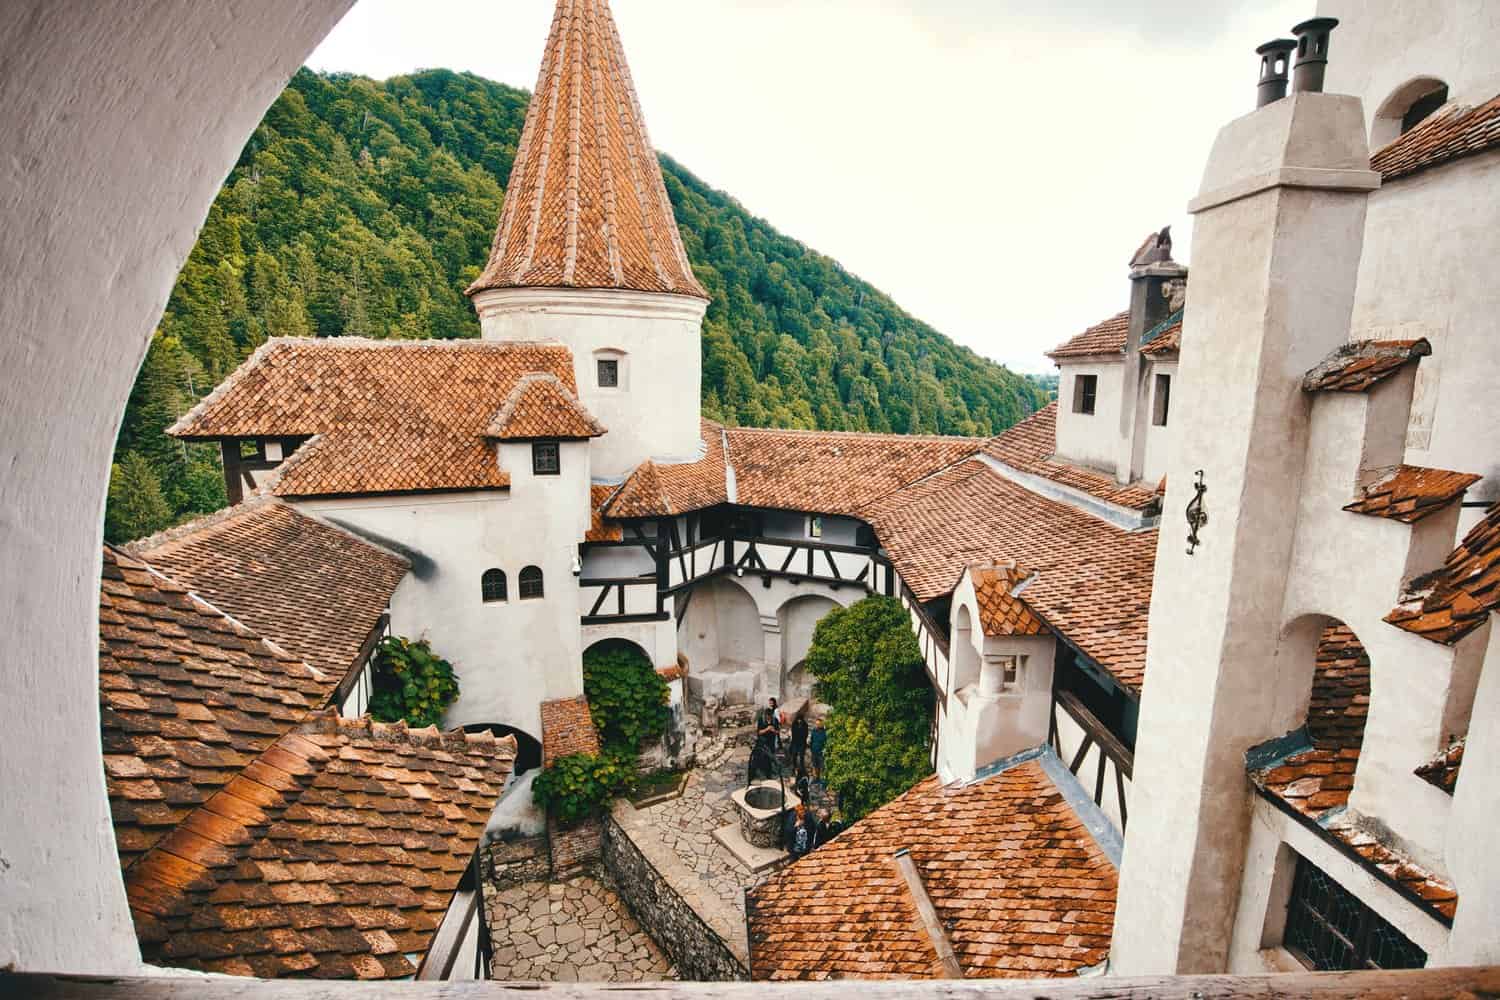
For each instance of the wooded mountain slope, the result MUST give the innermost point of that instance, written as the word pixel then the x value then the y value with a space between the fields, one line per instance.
pixel 363 208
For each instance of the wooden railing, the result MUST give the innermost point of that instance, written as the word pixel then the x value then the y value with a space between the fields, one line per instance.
pixel 1099 745
pixel 1416 984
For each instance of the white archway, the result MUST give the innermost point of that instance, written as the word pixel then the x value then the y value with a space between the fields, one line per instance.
pixel 118 132
pixel 798 618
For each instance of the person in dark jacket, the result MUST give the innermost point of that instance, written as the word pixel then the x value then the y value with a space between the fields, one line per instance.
pixel 802 833
pixel 818 740
pixel 797 753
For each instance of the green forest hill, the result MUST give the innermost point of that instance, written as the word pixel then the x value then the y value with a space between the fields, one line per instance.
pixel 364 208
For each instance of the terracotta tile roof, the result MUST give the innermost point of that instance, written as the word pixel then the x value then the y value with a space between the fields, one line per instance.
pixel 187 699
pixel 832 472
pixel 586 206
pixel 567 729
pixel 1316 778
pixel 1452 601
pixel 1442 770
pixel 1017 881
pixel 314 589
pixel 1169 341
pixel 386 416
pixel 1029 447
pixel 1001 610
pixel 1449 134
pixel 599 529
pixel 540 406
pixel 1092 580
pixel 655 490
pixel 1357 366
pixel 1107 337
pixel 334 855
pixel 1409 493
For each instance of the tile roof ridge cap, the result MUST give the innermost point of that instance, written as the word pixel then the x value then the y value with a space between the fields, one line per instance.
pixel 206 606
pixel 863 435
pixel 507 411
pixel 142 547
pixel 406 343
pixel 197 410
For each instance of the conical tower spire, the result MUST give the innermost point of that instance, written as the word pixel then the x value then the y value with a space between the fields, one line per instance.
pixel 586 206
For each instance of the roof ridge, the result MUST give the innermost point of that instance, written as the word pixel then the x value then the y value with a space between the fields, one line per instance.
pixel 207 522
pixel 860 435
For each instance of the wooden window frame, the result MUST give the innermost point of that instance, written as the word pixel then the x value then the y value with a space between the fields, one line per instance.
pixel 540 465
pixel 1085 394
pixel 1305 918
pixel 612 365
pixel 531 588
pixel 491 594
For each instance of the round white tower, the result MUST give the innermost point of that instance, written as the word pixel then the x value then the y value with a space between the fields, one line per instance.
pixel 588 254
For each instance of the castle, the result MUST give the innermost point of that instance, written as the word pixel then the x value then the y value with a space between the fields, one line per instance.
pixel 1267 486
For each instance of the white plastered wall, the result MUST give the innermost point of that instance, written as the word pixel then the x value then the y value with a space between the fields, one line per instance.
pixel 657 639
pixel 510 656
pixel 1089 439
pixel 1158 439
pixel 117 132
pixel 653 413
pixel 798 618
pixel 1428 270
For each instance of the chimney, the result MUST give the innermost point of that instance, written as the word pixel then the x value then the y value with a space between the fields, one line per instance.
pixel 1312 54
pixel 1155 284
pixel 1275 62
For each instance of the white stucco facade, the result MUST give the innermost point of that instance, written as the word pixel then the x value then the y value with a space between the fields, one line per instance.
pixel 654 340
pixel 1090 439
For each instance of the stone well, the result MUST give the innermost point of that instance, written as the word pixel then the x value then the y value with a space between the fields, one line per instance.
pixel 760 808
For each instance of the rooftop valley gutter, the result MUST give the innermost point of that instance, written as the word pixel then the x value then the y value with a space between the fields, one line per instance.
pixel 1120 517
pixel 928 914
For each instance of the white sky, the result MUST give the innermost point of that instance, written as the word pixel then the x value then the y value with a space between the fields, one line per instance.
pixel 991 164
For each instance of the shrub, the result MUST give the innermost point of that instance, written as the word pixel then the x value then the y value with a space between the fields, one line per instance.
pixel 411 683
pixel 575 787
pixel 626 696
pixel 870 673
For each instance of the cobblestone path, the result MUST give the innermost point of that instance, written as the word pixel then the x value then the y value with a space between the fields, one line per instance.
pixel 576 931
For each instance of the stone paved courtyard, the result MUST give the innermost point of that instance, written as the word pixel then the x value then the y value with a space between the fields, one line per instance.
pixel 677 836
pixel 576 931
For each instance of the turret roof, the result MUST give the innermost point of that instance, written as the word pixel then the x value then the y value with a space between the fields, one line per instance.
pixel 586 206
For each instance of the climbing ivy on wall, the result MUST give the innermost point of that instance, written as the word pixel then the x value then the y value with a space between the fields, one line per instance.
pixel 412 683
pixel 626 696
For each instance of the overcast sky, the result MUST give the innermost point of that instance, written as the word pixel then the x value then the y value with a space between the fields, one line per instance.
pixel 991 164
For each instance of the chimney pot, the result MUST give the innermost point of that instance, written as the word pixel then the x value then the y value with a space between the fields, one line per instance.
pixel 1312 54
pixel 1275 65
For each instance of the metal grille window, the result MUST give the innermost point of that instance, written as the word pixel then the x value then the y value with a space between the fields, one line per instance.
pixel 492 585
pixel 1328 929
pixel 531 583
pixel 545 459
pixel 1085 388
pixel 609 373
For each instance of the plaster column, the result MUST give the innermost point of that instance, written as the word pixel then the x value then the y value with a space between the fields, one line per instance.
pixel 118 128
pixel 1278 233
pixel 1149 305
pixel 1476 802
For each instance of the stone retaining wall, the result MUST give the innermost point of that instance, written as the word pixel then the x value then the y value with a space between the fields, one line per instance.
pixel 698 953
pixel 505 863
pixel 573 849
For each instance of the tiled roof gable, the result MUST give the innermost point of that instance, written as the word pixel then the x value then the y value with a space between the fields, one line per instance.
pixel 187 699
pixel 314 589
pixel 586 206
pixel 540 406
pixel 1363 364
pixel 384 416
pixel 1103 338
pixel 1448 134
pixel 656 489
pixel 1029 447
pixel 1018 883
pixel 1001 609
pixel 1454 600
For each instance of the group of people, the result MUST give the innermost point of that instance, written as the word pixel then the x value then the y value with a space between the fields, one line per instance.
pixel 803 829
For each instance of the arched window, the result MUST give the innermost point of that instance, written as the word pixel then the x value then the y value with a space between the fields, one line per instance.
pixel 531 583
pixel 492 586
pixel 1407 107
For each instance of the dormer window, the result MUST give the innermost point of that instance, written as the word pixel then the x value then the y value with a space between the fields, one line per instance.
pixel 1161 400
pixel 609 373
pixel 546 458
pixel 1085 390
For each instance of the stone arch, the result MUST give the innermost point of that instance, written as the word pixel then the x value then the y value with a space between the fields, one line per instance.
pixel 102 219
pixel 528 747
pixel 797 618
pixel 719 630
pixel 1407 104
pixel 618 643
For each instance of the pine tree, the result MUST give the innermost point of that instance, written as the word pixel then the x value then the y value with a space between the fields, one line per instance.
pixel 136 507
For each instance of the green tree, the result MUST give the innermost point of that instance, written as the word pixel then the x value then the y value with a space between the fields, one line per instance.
pixel 135 507
pixel 870 673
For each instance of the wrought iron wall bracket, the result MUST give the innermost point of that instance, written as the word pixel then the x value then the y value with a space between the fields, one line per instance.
pixel 1197 517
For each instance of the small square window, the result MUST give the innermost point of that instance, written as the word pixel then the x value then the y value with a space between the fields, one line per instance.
pixel 1011 672
pixel 609 373
pixel 545 458
pixel 1161 402
pixel 1085 388
pixel 814 527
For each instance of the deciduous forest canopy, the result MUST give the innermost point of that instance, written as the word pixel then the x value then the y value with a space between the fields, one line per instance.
pixel 363 208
